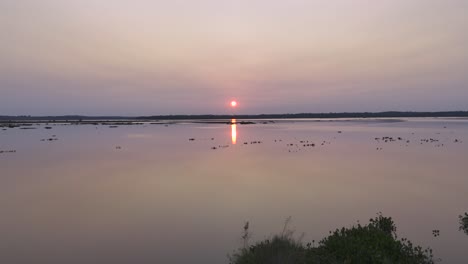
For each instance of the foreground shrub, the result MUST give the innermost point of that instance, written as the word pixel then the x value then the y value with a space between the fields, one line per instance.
pixel 464 223
pixel 373 243
pixel 278 250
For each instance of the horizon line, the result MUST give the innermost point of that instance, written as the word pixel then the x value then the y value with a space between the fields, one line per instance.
pixel 456 113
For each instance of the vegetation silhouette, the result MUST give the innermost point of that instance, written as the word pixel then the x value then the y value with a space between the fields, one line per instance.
pixel 388 114
pixel 464 223
pixel 374 243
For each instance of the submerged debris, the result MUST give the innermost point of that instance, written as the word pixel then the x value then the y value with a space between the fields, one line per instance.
pixel 53 138
pixel 7 151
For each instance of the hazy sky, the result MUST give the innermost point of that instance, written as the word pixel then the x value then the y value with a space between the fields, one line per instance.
pixel 122 57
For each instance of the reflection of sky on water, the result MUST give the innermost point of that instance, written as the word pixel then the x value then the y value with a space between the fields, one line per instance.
pixel 160 194
pixel 139 136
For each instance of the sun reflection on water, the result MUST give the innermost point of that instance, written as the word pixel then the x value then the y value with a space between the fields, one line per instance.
pixel 233 131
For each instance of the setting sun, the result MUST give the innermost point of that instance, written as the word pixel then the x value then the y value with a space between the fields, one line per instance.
pixel 233 103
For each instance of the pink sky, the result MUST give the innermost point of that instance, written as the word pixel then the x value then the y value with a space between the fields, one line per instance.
pixel 193 57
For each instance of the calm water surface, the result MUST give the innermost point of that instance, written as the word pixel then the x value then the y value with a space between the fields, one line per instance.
pixel 149 194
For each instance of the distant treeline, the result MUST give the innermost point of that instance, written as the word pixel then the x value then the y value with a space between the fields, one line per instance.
pixel 262 116
pixel 315 115
pixel 62 118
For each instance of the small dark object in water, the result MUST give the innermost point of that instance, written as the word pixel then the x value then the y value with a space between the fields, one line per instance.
pixel 113 126
pixel 436 233
pixel 118 147
pixel 214 148
pixel 339 132
pixel 48 127
pixel 191 139
pixel 7 151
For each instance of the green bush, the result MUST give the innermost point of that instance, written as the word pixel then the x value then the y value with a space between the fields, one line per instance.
pixel 373 243
pixel 464 223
